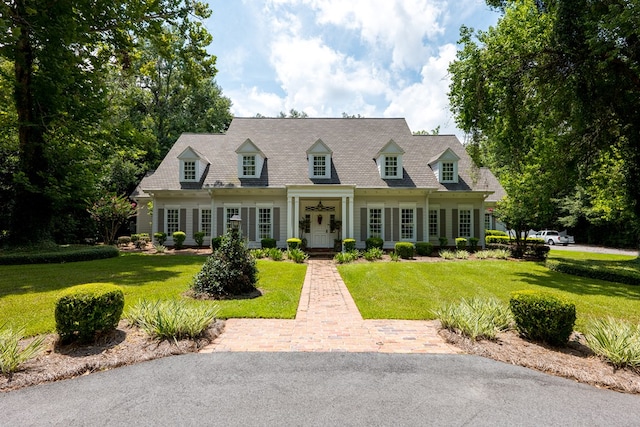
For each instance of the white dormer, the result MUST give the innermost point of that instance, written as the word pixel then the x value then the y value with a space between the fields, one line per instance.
pixel 192 165
pixel 445 167
pixel 319 159
pixel 250 160
pixel 389 161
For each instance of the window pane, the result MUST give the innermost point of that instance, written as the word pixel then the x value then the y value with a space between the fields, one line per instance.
pixel 465 223
pixel 205 221
pixel 406 224
pixel 487 221
pixel 375 222
pixel 248 165
pixel 319 165
pixel 434 227
pixel 264 223
pixel 189 171
pixel 447 171
pixel 173 221
pixel 390 166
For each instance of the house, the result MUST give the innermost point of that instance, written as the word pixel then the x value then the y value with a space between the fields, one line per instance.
pixel 320 179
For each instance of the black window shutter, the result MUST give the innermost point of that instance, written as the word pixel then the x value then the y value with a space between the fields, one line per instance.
pixel 454 219
pixel 195 222
pixel 252 220
pixel 244 215
pixel 276 223
pixel 160 220
pixel 387 224
pixel 476 223
pixel 419 224
pixel 220 221
pixel 363 224
pixel 183 220
pixel 443 223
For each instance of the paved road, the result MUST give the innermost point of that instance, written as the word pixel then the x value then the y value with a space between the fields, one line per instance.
pixel 246 389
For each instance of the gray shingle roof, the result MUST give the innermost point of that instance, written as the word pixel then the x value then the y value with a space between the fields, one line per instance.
pixel 354 142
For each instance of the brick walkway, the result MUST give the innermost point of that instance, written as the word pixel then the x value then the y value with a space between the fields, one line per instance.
pixel 328 320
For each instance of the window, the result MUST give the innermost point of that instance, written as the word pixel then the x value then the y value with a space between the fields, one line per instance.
pixel 264 223
pixel 189 171
pixel 173 221
pixel 205 221
pixel 447 172
pixel 464 225
pixel 407 224
pixel 248 165
pixel 307 223
pixel 229 213
pixel 487 221
pixel 434 225
pixel 375 222
pixel 390 166
pixel 319 166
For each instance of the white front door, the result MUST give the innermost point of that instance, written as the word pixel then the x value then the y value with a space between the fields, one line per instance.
pixel 321 237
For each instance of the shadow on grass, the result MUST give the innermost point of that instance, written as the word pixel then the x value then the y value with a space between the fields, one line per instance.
pixel 126 270
pixel 580 285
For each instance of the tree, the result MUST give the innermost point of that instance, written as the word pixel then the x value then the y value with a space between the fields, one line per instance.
pixel 110 212
pixel 435 131
pixel 60 52
pixel 554 86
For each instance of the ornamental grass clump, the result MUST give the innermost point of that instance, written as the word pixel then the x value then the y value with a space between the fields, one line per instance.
pixel 373 254
pixel 231 270
pixel 172 319
pixel 476 318
pixel 297 255
pixel 616 341
pixel 12 354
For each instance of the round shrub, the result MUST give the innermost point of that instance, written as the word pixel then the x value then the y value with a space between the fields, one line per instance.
pixel 294 243
pixel 443 241
pixel 374 242
pixel 216 242
pixel 349 245
pixel 268 243
pixel 424 248
pixel 461 243
pixel 198 236
pixel 160 237
pixel 85 311
pixel 178 239
pixel 230 270
pixel 473 243
pixel 543 317
pixel 405 250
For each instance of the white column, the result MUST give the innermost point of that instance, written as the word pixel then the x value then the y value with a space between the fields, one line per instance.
pixel 154 218
pixel 351 235
pixel 343 216
pixel 290 226
pixel 426 220
pixel 214 220
pixel 296 218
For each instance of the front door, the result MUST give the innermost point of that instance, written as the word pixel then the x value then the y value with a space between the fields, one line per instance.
pixel 320 235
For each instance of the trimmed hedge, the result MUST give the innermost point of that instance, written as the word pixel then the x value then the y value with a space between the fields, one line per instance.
pixel 461 243
pixel 198 236
pixel 424 248
pixel 405 250
pixel 178 239
pixel 294 243
pixel 349 245
pixel 85 253
pixel 85 311
pixel 595 272
pixel 268 243
pixel 161 237
pixel 494 233
pixel 543 317
pixel 373 242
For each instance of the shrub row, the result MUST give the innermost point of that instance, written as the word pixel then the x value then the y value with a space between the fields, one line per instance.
pixel 594 272
pixel 85 253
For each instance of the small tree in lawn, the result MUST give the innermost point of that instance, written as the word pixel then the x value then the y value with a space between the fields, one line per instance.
pixel 110 212
pixel 230 270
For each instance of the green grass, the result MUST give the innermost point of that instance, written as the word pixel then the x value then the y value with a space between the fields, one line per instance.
pixel 28 292
pixel 414 290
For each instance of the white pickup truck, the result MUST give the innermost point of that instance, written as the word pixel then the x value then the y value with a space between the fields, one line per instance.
pixel 553 237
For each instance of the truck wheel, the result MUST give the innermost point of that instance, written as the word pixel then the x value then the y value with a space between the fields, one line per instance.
pixel 551 242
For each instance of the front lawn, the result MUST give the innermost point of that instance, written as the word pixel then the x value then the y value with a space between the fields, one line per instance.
pixel 28 292
pixel 411 290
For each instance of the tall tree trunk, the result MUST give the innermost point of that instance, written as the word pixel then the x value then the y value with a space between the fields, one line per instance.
pixel 32 213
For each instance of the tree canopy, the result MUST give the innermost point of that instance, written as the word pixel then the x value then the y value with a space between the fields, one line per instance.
pixel 100 90
pixel 549 96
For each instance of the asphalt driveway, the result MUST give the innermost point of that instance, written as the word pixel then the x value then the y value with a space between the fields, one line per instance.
pixel 241 389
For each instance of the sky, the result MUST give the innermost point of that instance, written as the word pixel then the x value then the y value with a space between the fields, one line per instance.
pixel 374 58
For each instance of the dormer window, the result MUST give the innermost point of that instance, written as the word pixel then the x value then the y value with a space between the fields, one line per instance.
pixel 447 171
pixel 249 165
pixel 189 171
pixel 250 160
pixel 389 160
pixel 445 167
pixel 319 159
pixel 192 165
pixel 390 166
